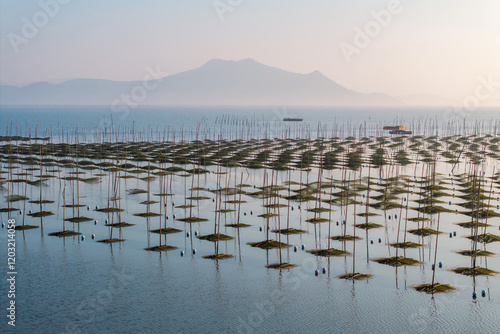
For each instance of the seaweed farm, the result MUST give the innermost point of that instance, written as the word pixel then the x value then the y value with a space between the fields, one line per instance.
pixel 349 222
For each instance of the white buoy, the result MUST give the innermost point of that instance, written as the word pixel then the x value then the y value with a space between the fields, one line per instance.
pixel 105 221
pixel 83 237
pixel 95 222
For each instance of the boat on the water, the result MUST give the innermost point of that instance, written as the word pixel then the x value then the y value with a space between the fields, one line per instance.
pixel 396 127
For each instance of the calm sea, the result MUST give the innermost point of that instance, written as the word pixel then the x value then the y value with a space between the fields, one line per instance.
pixel 80 286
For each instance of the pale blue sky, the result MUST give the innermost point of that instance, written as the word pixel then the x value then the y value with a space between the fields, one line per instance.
pixel 431 46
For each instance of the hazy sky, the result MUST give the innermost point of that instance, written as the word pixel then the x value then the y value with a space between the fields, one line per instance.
pixel 424 46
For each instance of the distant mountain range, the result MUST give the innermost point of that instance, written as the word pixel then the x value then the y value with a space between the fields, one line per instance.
pixel 218 82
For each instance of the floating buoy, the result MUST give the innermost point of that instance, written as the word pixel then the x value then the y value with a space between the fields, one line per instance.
pixel 30 211
pixel 433 268
pixel 474 295
pixel 173 204
pixel 173 216
pixel 88 208
pixel 182 253
pixel 83 237
pixel 20 212
pixel 167 217
pixel 165 205
pixel 251 213
pixel 3 225
pixel 379 240
pixel 323 270
pixel 395 216
pixel 244 213
pixel 316 272
pixel 260 228
pixel 440 264
pixel 105 221
pixel 295 248
pixel 483 293
pixel 95 222
pixel 299 207
pixel 97 207
pixel 93 236
pixel 449 203
pixel 194 251
pixel 213 200
pixel 303 247
pixel 292 208
pixel 187 234
pixel 451 235
pixel 454 233
pixel 371 241
pixel 195 233
pixel 337 223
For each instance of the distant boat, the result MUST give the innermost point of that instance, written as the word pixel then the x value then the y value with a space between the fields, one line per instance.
pixel 292 119
pixel 396 127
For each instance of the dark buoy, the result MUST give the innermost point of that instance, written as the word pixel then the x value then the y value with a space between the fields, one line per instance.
pixel 194 251
pixel 88 208
pixel 433 268
pixel 195 233
pixel 451 234
pixel 303 247
pixel 260 228
pixel 299 207
pixel 244 213
pixel 295 248
pixel 483 293
pixel 93 236
pixel 323 270
pixel 251 213
pixel 167 217
pixel 173 216
pixel 97 207
pixel 213 200
pixel 337 223
pixel 379 240
pixel 95 222
pixel 395 216
pixel 440 264
pixel 316 272
pixel 292 208
pixel 454 233
pixel 474 295
pixel 20 212
pixel 83 237
pixel 371 241
pixel 105 221
pixel 389 216
pixel 182 253
pixel 187 234
pixel 3 225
